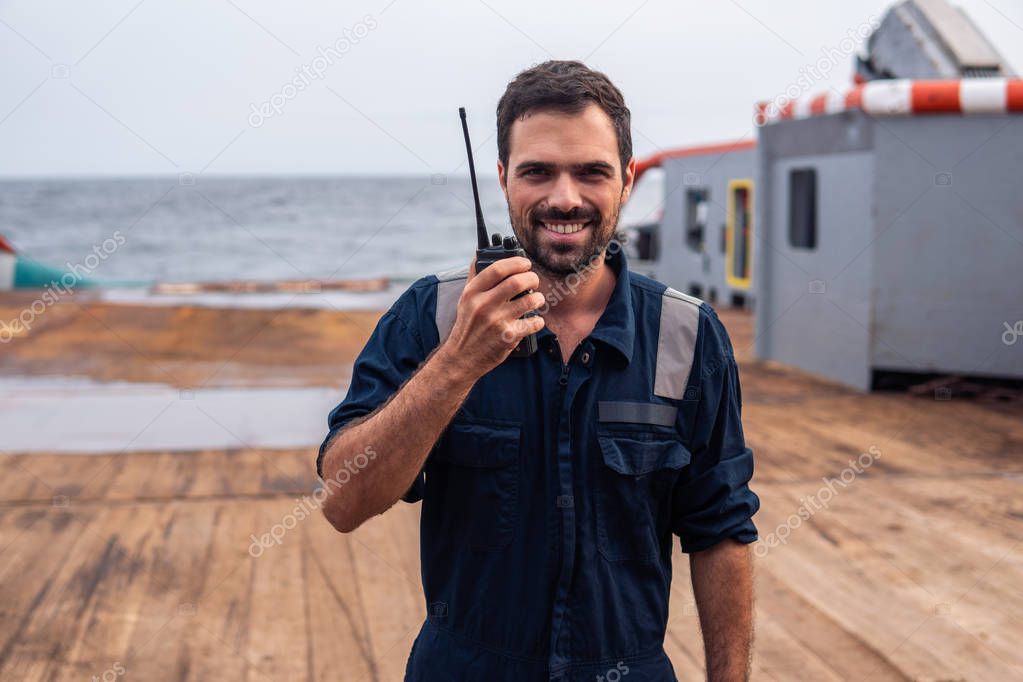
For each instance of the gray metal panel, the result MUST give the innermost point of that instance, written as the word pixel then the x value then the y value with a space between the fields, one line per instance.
pixel 904 46
pixel 677 265
pixel 967 45
pixel 847 131
pixel 763 241
pixel 680 266
pixel 813 307
pixel 949 244
pixel 919 250
pixel 924 39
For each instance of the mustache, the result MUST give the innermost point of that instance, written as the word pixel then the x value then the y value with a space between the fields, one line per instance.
pixel 576 214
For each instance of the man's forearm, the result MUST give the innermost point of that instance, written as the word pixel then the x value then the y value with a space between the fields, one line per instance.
pixel 723 585
pixel 397 438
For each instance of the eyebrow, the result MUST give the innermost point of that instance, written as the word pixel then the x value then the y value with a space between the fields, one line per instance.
pixel 545 165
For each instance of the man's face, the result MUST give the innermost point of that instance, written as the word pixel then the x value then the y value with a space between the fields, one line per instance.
pixel 564 186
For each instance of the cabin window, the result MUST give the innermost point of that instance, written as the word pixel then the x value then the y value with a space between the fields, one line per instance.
pixel 803 208
pixel 739 234
pixel 697 207
pixel 644 239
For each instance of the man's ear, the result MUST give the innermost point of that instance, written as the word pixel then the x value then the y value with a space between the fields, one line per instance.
pixel 630 178
pixel 501 177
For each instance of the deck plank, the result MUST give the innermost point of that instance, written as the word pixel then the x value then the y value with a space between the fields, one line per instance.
pixel 911 571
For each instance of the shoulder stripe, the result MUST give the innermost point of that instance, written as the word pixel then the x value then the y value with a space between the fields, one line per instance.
pixel 449 289
pixel 453 273
pixel 676 343
pixel 674 293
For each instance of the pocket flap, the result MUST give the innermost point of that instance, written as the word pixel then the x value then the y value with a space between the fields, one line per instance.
pixel 477 444
pixel 636 454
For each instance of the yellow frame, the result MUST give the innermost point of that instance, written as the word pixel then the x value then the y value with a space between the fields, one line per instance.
pixel 738 282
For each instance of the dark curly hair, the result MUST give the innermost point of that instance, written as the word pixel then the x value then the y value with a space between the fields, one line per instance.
pixel 565 86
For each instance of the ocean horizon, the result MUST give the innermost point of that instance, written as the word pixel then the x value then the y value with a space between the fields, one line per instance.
pixel 219 228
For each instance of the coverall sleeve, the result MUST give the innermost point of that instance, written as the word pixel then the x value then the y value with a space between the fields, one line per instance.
pixel 392 354
pixel 712 499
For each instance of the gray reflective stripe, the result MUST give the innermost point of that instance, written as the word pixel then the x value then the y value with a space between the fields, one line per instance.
pixel 453 273
pixel 676 343
pixel 449 289
pixel 637 413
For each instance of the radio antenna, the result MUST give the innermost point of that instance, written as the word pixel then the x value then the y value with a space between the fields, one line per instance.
pixel 481 226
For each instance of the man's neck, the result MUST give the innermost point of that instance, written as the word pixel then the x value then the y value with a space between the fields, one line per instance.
pixel 578 295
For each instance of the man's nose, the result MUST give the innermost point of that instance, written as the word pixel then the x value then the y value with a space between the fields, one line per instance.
pixel 565 194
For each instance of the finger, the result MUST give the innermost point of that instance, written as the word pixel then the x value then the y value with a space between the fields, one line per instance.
pixel 513 310
pixel 494 273
pixel 516 330
pixel 512 287
pixel 533 301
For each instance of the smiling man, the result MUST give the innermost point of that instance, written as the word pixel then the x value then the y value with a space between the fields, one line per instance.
pixel 552 484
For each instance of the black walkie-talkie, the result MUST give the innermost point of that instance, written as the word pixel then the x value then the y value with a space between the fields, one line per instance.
pixel 498 247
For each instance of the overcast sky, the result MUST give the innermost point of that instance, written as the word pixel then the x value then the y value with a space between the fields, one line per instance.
pixel 122 87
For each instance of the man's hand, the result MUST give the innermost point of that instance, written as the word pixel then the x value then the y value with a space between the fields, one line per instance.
pixel 723 585
pixel 487 325
pixel 404 429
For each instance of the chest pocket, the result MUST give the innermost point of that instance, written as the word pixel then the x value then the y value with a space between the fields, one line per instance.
pixel 638 469
pixel 472 484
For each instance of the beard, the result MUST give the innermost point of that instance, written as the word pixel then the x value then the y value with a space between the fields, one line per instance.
pixel 557 260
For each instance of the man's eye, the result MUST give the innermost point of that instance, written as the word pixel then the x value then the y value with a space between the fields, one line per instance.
pixel 534 171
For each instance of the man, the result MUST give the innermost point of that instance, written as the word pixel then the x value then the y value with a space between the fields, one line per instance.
pixel 551 484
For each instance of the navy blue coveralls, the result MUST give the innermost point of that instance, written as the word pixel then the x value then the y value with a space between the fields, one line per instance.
pixel 550 501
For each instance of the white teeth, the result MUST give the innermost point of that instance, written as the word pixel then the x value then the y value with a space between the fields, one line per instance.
pixel 565 229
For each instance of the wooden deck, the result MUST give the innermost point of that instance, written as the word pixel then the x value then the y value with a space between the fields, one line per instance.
pixel 140 564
